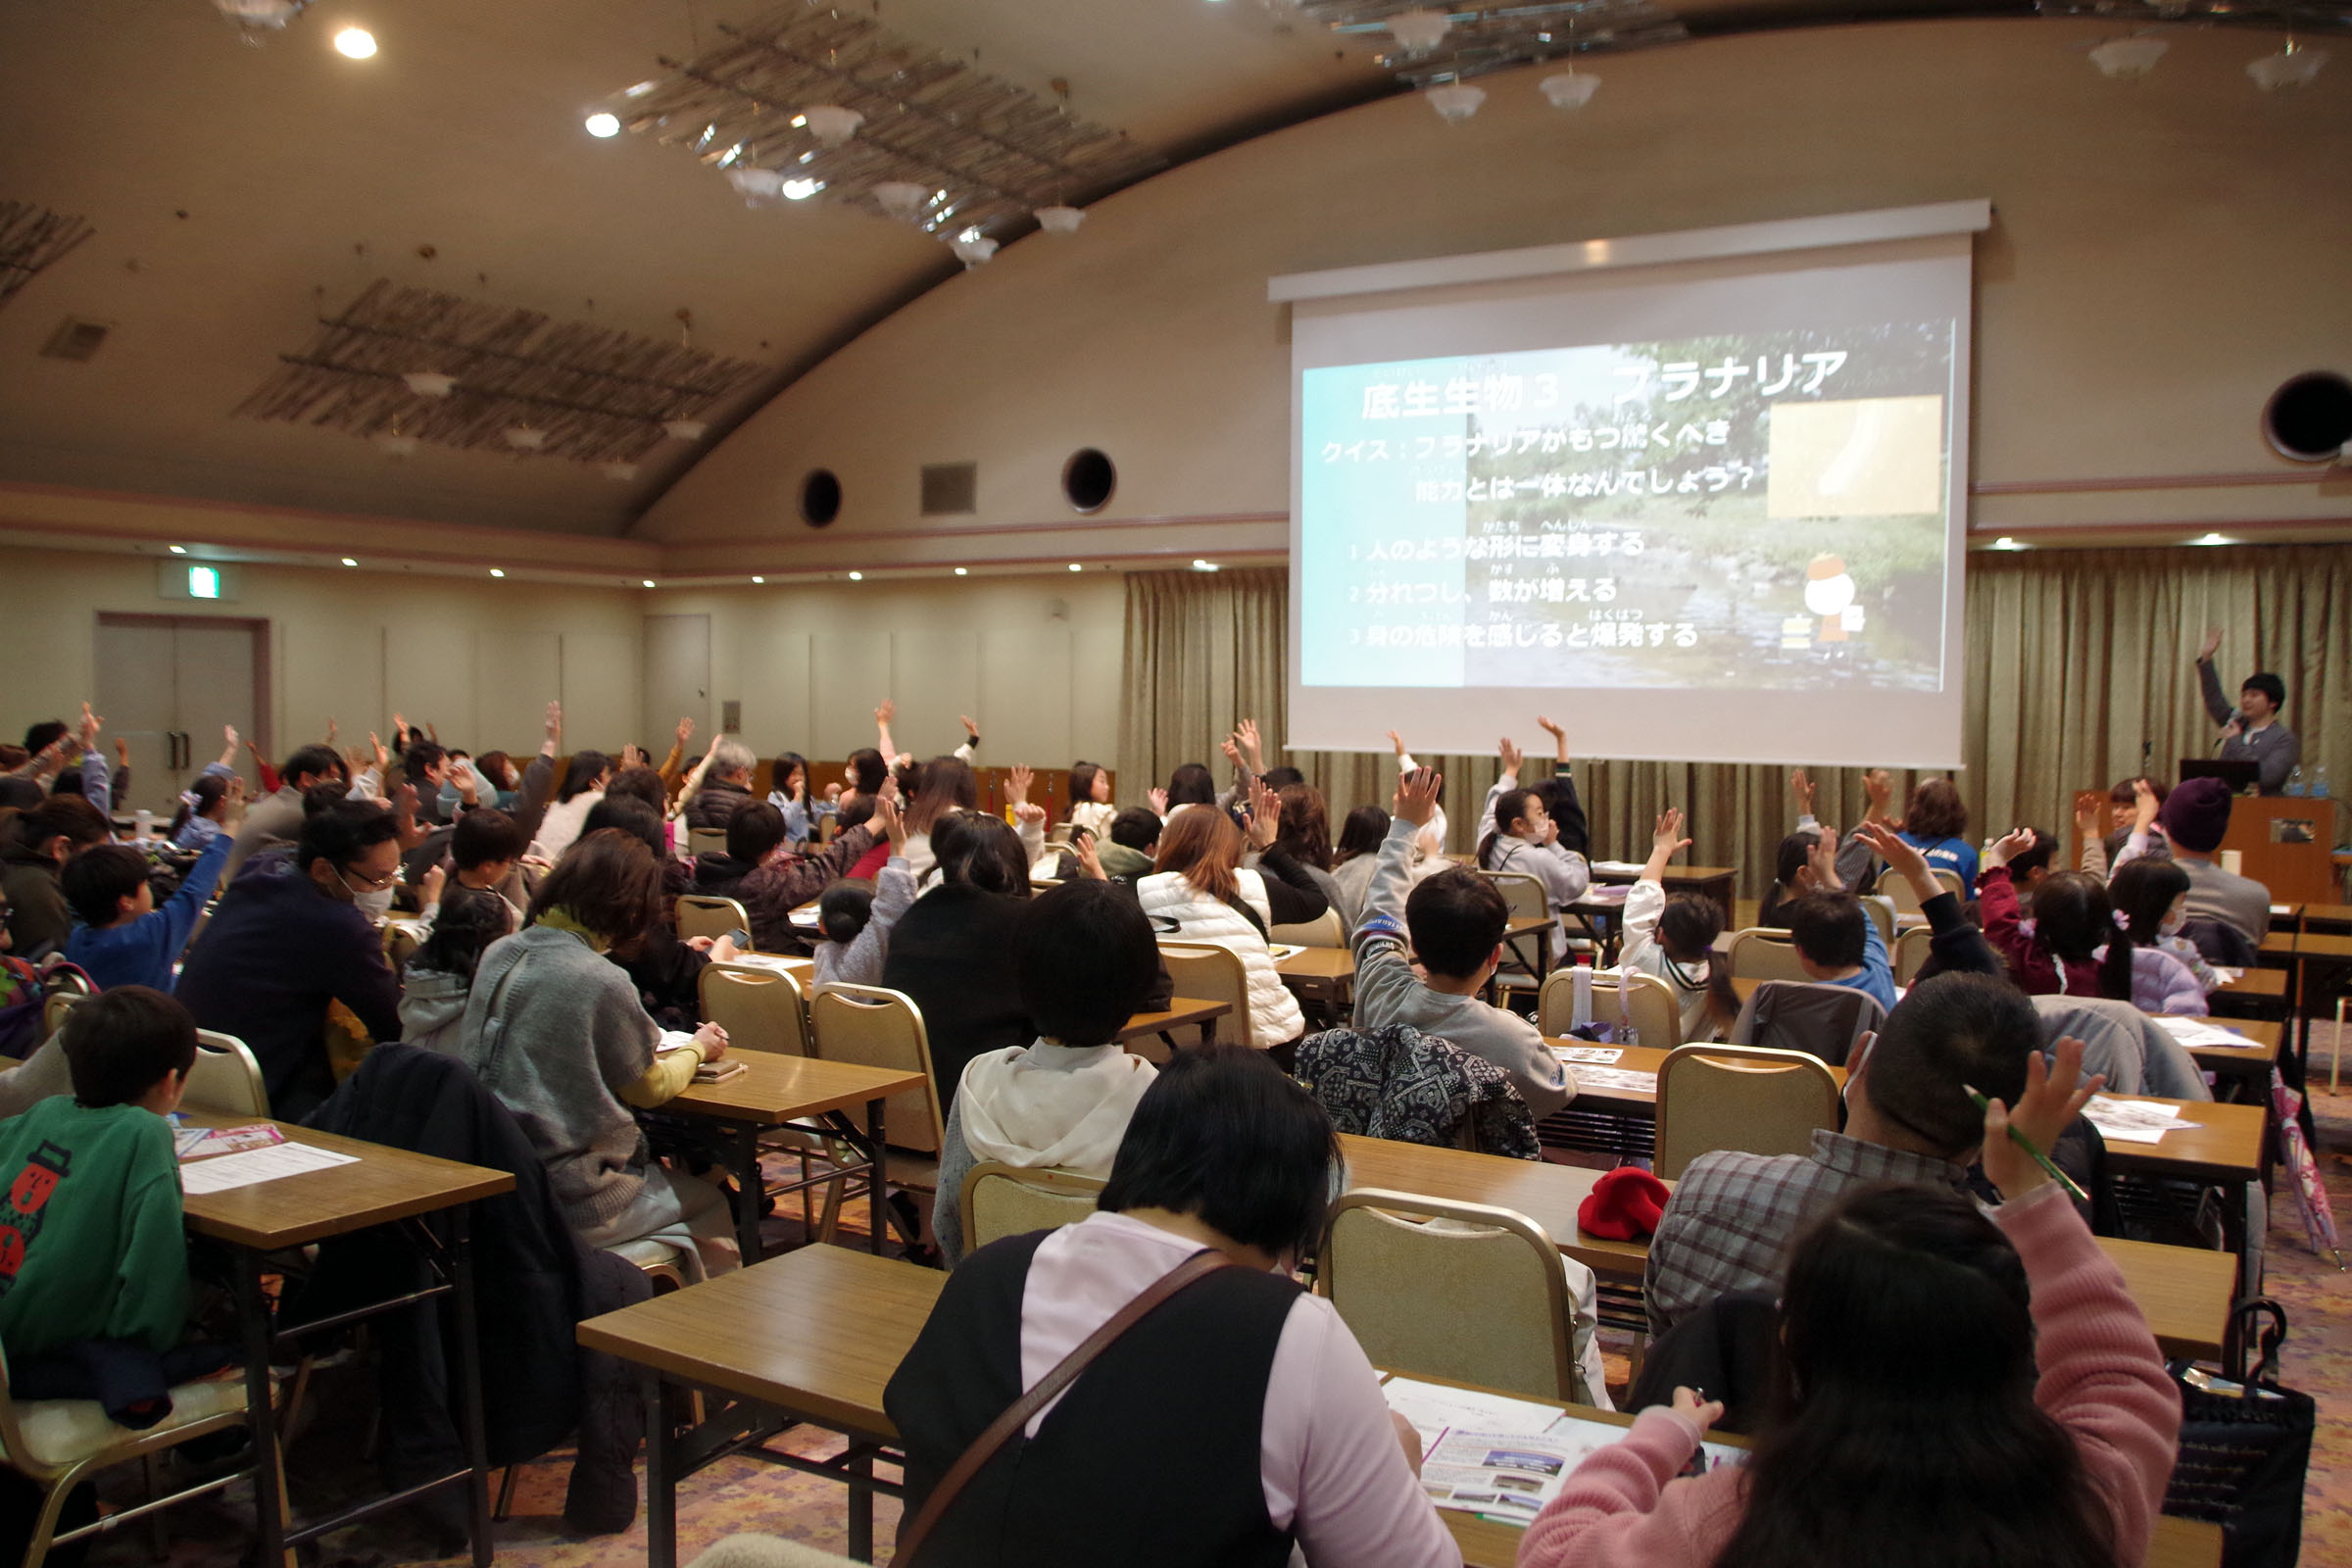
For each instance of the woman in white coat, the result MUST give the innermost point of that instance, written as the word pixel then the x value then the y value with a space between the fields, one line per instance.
pixel 1198 884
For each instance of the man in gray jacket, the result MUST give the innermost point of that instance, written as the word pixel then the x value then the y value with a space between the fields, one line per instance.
pixel 2251 732
pixel 1457 922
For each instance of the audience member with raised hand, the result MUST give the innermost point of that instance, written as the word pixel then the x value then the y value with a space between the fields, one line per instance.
pixel 296 933
pixel 1267 1414
pixel 1954 944
pixel 947 784
pixel 1455 919
pixel 1958 1390
pixel 1936 823
pixel 1853 854
pixel 1674 938
pixel 584 779
pixel 1518 836
pixel 1838 943
pixel 1560 800
pixel 2135 805
pixel 1028 817
pixel 125 938
pixel 954 952
pixel 780 882
pixel 559 1035
pixel 2057 951
pixel 1199 885
pixel 35 848
pixel 672 768
pixel 856 921
pixel 726 784
pixel 213 800
pixel 1429 843
pixel 1304 835
pixel 1354 860
pixel 755 835
pixel 1908 1119
pixel 1133 842
pixel 1086 963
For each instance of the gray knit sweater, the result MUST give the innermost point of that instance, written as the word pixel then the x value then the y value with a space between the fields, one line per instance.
pixel 557 1033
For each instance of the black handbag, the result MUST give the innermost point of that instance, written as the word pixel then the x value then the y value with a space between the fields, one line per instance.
pixel 2244 1451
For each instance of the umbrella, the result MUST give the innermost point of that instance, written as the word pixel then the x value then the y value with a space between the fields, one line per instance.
pixel 2294 1152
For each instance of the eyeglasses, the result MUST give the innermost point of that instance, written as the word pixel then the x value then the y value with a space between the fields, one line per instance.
pixel 353 877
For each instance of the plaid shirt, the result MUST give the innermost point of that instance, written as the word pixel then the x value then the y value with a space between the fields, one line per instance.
pixel 1732 1215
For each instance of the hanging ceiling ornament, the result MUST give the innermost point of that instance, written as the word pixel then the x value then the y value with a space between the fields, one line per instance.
pixel 256 15
pixel 684 429
pixel 1455 101
pixel 755 185
pixel 1059 219
pixel 974 247
pixel 430 384
pixel 2123 58
pixel 1419 30
pixel 1569 89
pixel 902 199
pixel 831 125
pixel 2292 66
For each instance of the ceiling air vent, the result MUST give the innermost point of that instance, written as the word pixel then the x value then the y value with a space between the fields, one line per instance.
pixel 950 488
pixel 74 340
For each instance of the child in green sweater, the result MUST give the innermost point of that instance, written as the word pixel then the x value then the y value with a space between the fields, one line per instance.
pixel 90 1241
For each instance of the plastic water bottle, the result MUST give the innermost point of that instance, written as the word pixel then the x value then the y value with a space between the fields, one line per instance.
pixel 146 826
pixel 2294 781
pixel 2319 782
pixel 1580 1013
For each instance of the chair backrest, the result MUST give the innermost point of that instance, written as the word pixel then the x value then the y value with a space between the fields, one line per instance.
pixel 1001 1201
pixel 226 1079
pixel 1060 836
pixel 1951 881
pixel 1458 1291
pixel 401 943
pixel 701 915
pixel 1820 1019
pixel 1745 1097
pixel 55 1007
pixel 882 1028
pixel 707 840
pixel 1207 972
pixel 1911 950
pixel 1897 889
pixel 1323 931
pixel 1647 1002
pixel 1763 953
pixel 1881 911
pixel 760 1008
pixel 1523 893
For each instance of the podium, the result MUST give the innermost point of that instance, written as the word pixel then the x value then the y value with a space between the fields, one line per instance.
pixel 2286 842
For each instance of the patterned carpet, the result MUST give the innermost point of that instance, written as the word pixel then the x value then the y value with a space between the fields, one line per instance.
pixel 742 1495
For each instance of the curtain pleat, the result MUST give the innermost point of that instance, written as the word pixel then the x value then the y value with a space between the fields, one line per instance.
pixel 2078 664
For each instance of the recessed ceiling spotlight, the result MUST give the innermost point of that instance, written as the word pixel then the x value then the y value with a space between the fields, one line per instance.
pixel 758 579
pixel 355 43
pixel 1203 566
pixel 800 190
pixel 601 125
pixel 1074 567
pixel 2213 539
pixel 857 576
pixel 498 571
pixel 649 582
pixel 963 571
pixel 347 561
pixel 179 549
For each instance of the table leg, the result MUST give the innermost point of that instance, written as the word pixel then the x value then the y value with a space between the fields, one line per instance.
pixel 751 1189
pixel 861 1507
pixel 1208 1031
pixel 660 1478
pixel 268 1481
pixel 2235 1195
pixel 877 1179
pixel 469 1387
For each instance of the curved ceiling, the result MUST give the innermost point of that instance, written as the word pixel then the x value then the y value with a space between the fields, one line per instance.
pixel 237 195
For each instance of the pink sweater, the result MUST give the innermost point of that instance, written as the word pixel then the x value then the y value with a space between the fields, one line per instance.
pixel 2102 1378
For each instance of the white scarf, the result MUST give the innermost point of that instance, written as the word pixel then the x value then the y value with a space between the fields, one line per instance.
pixel 1051 1106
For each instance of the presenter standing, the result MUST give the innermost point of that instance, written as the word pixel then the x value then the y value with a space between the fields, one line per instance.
pixel 2251 732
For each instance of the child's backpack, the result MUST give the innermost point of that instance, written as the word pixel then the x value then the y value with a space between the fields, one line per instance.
pixel 25 992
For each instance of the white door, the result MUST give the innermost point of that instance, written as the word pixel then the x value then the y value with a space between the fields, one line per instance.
pixel 677 679
pixel 166 686
pixel 213 687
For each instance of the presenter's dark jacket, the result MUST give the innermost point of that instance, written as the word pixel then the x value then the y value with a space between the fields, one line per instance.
pixel 2273 747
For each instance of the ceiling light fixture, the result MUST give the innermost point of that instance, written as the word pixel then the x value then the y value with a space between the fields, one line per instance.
pixel 830 124
pixel 1074 567
pixel 755 185
pixel 179 549
pixel 1419 30
pixel 498 571
pixel 963 571
pixel 347 561
pixel 902 199
pixel 760 579
pixel 602 125
pixel 972 248
pixel 857 576
pixel 684 429
pixel 1569 89
pixel 1203 566
pixel 1059 219
pixel 430 384
pixel 355 43
pixel 800 190
pixel 2292 66
pixel 2213 539
pixel 649 582
pixel 252 14
pixel 1455 101
pixel 2124 58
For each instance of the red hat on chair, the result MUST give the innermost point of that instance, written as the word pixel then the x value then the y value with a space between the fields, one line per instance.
pixel 1623 1204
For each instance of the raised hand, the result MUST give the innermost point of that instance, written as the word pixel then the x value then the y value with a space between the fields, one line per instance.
pixel 2143 805
pixel 887 712
pixel 971 730
pixel 1880 788
pixel 1822 860
pixel 2211 645
pixel 1265 814
pixel 555 723
pixel 429 890
pixel 1026 813
pixel 1251 747
pixel 1090 865
pixel 2009 846
pixel 685 732
pixel 1555 731
pixel 91 724
pixel 1397 741
pixel 1417 792
pixel 1160 801
pixel 2087 819
pixel 1801 789
pixel 1511 754
pixel 400 731
pixel 228 734
pixel 1017 782
pixel 1666 840
pixel 2052 1098
pixel 887 822
pixel 331 731
pixel 1232 750
pixel 384 758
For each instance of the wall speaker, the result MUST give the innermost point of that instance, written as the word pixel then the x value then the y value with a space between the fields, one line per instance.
pixel 1088 480
pixel 2309 419
pixel 820 497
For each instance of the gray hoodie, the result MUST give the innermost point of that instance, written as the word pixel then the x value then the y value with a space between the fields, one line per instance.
pixel 432 1006
pixel 1387 991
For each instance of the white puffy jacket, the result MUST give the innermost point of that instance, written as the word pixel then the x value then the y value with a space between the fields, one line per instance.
pixel 1274 1015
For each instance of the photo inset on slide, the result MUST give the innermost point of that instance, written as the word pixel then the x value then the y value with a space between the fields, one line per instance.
pixel 1761 511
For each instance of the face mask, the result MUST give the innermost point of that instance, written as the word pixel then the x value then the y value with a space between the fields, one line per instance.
pixel 2171 924
pixel 374 906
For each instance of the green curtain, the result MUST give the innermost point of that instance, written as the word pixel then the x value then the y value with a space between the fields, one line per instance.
pixel 2073 661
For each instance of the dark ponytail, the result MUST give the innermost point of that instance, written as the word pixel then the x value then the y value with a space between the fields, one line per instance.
pixel 1509 806
pixel 2142 893
pixel 198 801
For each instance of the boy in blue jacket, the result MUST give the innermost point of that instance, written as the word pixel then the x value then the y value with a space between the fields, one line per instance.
pixel 123 939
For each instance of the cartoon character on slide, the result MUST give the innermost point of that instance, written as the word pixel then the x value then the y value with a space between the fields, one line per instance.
pixel 1833 617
